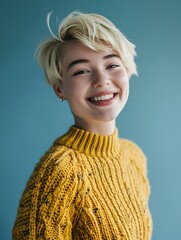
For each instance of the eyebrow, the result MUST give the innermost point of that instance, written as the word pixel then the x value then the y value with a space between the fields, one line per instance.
pixel 78 61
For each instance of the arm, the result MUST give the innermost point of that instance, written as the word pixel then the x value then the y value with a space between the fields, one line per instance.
pixel 138 164
pixel 47 207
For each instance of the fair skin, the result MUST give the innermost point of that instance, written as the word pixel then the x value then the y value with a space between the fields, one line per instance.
pixel 96 86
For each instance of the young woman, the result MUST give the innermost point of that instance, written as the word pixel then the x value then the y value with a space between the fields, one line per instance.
pixel 90 184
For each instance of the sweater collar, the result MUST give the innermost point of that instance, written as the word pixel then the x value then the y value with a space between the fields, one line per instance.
pixel 90 143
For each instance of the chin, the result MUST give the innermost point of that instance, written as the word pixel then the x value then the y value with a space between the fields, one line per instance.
pixel 108 117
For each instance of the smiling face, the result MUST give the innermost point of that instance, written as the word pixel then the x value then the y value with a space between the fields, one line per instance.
pixel 95 84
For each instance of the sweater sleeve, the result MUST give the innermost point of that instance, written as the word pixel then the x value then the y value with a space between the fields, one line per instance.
pixel 138 164
pixel 49 204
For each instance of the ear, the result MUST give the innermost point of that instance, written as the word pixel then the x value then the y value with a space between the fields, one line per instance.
pixel 58 90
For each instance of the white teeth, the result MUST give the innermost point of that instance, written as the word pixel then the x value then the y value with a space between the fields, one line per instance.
pixel 103 97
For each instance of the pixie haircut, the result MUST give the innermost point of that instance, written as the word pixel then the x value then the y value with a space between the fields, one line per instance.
pixel 93 31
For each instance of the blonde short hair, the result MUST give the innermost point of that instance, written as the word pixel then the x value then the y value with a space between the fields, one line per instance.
pixel 93 31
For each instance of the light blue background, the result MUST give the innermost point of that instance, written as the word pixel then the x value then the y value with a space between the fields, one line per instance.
pixel 32 117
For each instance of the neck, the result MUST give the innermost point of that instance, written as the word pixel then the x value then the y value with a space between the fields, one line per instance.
pixel 90 143
pixel 103 128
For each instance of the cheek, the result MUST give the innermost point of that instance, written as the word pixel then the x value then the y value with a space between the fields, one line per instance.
pixel 122 80
pixel 68 87
pixel 125 88
pixel 73 89
pixel 125 85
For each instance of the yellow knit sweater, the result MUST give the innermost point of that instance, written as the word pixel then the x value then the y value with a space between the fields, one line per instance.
pixel 86 187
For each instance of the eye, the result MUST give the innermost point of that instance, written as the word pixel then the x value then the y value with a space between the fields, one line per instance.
pixel 112 66
pixel 81 72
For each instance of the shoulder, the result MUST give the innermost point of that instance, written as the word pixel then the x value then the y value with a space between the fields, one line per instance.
pixel 55 173
pixel 134 153
pixel 55 168
pixel 58 159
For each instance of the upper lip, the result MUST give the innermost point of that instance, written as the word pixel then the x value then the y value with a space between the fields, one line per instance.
pixel 102 93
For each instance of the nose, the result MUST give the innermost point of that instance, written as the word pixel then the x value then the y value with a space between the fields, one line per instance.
pixel 100 79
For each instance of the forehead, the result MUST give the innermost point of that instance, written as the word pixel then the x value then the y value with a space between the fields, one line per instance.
pixel 73 50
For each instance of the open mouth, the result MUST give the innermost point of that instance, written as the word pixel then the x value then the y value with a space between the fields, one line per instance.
pixel 105 97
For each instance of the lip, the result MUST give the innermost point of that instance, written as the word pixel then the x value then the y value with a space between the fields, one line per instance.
pixel 103 102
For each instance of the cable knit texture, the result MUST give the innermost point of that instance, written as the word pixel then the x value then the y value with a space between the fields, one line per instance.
pixel 87 187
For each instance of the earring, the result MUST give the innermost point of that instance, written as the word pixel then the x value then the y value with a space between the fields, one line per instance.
pixel 62 98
